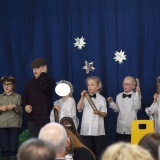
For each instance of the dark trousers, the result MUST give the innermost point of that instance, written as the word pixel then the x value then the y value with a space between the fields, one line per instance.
pixel 9 141
pixel 123 137
pixel 33 129
pixel 96 144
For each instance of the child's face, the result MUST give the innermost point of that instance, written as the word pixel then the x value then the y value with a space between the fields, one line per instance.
pixel 128 85
pixel 92 86
pixel 8 87
pixel 37 71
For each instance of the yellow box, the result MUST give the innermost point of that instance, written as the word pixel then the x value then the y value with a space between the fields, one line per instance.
pixel 139 128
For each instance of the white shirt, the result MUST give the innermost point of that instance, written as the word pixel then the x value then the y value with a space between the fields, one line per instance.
pixel 93 124
pixel 154 110
pixel 127 108
pixel 67 109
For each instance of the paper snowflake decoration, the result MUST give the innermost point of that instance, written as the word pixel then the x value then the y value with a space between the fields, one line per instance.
pixel 88 67
pixel 79 42
pixel 120 56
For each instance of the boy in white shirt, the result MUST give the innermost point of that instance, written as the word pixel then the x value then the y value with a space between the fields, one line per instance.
pixel 127 104
pixel 92 125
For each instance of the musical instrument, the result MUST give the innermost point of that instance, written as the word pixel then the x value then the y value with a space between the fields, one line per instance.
pixel 138 84
pixel 137 81
pixel 90 101
pixel 56 115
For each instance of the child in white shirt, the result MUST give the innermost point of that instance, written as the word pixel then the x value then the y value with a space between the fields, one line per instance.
pixel 127 104
pixel 154 109
pixel 92 125
pixel 65 106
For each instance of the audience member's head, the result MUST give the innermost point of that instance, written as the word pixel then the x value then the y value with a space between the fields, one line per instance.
pixel 151 142
pixel 36 149
pixel 126 151
pixel 68 123
pixel 56 134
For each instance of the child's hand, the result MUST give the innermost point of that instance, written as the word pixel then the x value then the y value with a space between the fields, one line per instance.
pixel 110 99
pixel 28 108
pixel 155 96
pixel 97 112
pixel 83 93
pixel 3 108
pixel 57 108
pixel 138 89
pixel 44 69
pixel 11 106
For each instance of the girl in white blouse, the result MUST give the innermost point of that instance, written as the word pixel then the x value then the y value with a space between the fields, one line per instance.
pixel 154 109
pixel 65 106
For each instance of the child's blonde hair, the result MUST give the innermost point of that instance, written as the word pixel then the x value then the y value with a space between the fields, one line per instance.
pixel 131 78
pixel 98 81
pixel 126 151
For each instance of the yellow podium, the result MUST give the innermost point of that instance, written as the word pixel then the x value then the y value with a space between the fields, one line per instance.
pixel 139 128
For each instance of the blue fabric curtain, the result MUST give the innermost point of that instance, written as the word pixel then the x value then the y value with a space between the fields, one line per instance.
pixel 48 28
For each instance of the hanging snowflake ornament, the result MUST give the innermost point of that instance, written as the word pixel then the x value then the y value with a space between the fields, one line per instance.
pixel 79 42
pixel 88 67
pixel 120 56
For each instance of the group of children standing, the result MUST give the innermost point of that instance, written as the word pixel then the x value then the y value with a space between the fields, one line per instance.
pixel 37 103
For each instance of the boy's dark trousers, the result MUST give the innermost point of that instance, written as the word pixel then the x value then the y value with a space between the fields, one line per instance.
pixel 123 137
pixel 33 129
pixel 9 143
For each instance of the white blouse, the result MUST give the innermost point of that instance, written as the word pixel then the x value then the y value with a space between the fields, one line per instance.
pixel 67 109
pixel 154 110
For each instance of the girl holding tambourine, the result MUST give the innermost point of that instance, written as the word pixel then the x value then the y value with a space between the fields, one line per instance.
pixel 65 106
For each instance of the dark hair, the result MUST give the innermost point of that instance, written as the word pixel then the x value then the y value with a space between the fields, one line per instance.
pixel 76 143
pixel 68 123
pixel 151 141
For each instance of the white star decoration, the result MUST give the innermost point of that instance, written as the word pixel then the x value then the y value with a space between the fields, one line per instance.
pixel 119 56
pixel 88 67
pixel 79 42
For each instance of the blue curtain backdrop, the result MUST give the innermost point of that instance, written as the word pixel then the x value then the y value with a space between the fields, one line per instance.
pixel 48 28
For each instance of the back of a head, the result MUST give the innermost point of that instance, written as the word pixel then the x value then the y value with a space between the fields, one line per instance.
pixel 56 134
pixel 151 142
pixel 36 149
pixel 126 151
pixel 68 123
pixel 75 143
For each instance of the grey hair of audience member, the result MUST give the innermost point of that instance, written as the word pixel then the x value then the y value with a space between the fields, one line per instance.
pixel 126 151
pixel 36 149
pixel 56 134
